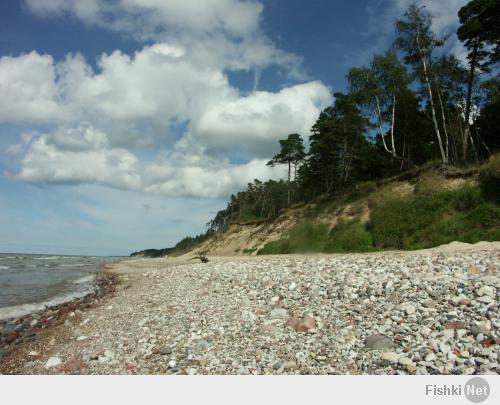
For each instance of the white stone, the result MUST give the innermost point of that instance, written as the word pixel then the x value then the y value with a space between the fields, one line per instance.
pixel 172 363
pixel 80 338
pixel 405 361
pixel 430 357
pixel 53 362
pixel 486 299
pixel 248 316
pixel 390 356
pixel 486 290
pixel 278 313
pixel 109 354
pixel 33 353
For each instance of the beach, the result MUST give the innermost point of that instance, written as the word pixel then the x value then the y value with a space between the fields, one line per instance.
pixel 422 312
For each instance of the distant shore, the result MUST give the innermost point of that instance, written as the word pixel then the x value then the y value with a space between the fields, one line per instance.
pixel 424 312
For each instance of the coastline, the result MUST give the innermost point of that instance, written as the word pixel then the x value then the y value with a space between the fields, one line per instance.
pixel 17 331
pixel 234 316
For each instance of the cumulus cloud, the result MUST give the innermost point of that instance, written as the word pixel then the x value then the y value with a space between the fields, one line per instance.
pixel 257 121
pixel 99 120
pixel 28 88
pixel 56 159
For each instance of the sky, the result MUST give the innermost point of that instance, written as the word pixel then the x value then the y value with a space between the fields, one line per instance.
pixel 126 124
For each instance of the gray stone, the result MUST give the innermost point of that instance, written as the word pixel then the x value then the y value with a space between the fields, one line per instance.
pixel 278 313
pixel 378 342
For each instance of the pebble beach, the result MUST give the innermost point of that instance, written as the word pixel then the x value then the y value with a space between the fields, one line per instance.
pixel 428 312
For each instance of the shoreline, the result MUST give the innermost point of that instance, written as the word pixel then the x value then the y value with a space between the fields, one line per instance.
pixel 15 331
pixel 273 315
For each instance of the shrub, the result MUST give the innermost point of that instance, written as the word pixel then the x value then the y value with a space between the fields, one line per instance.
pixel 306 237
pixel 437 219
pixel 349 236
pixel 489 178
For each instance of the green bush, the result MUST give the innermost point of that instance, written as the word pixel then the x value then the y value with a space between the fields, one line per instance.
pixel 306 237
pixel 437 219
pixel 489 178
pixel 349 236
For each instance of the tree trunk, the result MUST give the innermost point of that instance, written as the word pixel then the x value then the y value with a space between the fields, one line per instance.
pixel 381 130
pixel 289 169
pixel 445 130
pixel 468 100
pixel 431 101
pixel 392 125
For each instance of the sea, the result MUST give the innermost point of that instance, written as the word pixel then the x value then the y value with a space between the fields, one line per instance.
pixel 30 282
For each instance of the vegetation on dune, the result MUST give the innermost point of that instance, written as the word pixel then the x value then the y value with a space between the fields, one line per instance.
pixel 410 106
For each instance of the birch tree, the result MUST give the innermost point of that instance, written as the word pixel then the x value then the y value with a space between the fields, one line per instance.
pixel 416 39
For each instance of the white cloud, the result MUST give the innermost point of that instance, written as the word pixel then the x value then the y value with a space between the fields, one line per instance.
pixel 148 18
pixel 77 155
pixel 100 119
pixel 258 121
pixel 28 89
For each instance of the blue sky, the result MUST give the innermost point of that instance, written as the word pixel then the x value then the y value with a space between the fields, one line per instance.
pixel 125 124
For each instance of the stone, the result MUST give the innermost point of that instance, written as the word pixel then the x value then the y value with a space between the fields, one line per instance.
pixel 485 299
pixel 473 270
pixel 486 290
pixel 72 366
pixel 289 365
pixel 292 287
pixel 479 328
pixel 81 338
pixel 308 323
pixel 172 364
pixel 430 303
pixel 301 325
pixel 34 322
pixel 391 357
pixel 269 328
pixel 378 342
pixel 109 354
pixel 165 351
pixel 53 362
pixel 408 308
pixel 248 316
pixel 430 357
pixel 425 331
pixel 33 354
pixel 278 313
pixel 405 361
pixel 455 325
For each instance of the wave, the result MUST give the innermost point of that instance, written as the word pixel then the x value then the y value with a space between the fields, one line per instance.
pixel 48 257
pixel 86 279
pixel 4 267
pixel 24 309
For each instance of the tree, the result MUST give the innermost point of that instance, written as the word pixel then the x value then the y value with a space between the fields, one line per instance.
pixel 417 40
pixel 291 153
pixel 376 89
pixel 480 32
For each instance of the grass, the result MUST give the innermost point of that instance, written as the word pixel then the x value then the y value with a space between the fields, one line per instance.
pixel 426 220
pixel 489 178
pixel 430 220
pixel 311 237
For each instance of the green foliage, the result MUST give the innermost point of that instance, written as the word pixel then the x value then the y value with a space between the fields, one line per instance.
pixel 349 236
pixel 431 220
pixel 306 237
pixel 489 177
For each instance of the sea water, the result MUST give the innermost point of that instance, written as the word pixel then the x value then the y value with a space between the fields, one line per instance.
pixel 28 283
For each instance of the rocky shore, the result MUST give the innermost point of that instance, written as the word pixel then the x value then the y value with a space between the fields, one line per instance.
pixel 430 312
pixel 29 327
